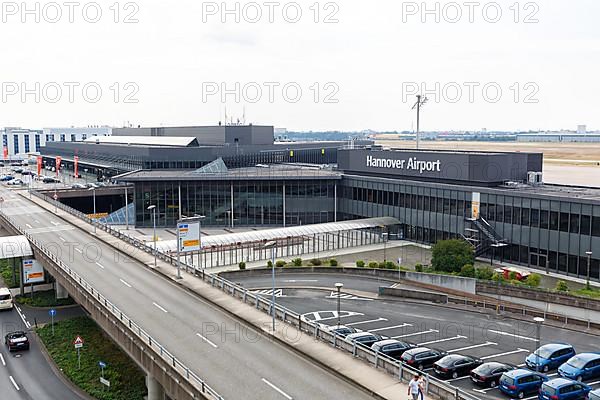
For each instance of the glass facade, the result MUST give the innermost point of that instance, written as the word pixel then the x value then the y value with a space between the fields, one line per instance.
pixel 255 202
pixel 16 144
pixel 27 148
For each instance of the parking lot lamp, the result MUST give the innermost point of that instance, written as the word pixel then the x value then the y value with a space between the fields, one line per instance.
pixel 589 264
pixel 538 322
pixel 339 287
pixel 153 208
pixel 273 246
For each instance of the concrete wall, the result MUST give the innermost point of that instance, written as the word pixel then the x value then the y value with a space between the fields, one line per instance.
pixel 467 285
pixel 413 294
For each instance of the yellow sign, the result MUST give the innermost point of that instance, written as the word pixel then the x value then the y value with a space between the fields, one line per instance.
pixel 291 153
pixel 191 243
pixel 98 215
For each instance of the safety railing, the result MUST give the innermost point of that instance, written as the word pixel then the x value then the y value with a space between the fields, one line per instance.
pixel 133 327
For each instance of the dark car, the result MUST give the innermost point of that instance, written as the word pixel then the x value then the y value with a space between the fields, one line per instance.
pixel 341 330
pixel 49 179
pixel 392 348
pixel 488 374
pixel 17 341
pixel 455 365
pixel 422 357
pixel 363 338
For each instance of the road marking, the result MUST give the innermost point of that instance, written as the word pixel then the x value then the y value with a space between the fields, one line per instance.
pixel 29 226
pixel 269 292
pixel 513 335
pixel 62 238
pixel 389 327
pixel 160 308
pixel 457 337
pixel 284 394
pixel 301 280
pixel 416 333
pixel 366 322
pixel 346 296
pixel 100 265
pixel 207 341
pixel 505 354
pixel 27 324
pixel 474 346
pixel 2 359
pixel 14 383
pixel 458 379
pixel 125 283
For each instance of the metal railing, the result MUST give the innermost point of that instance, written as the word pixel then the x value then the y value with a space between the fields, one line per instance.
pixel 393 367
pixel 133 327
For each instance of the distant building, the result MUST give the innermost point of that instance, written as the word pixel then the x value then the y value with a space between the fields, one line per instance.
pixel 74 134
pixel 581 129
pixel 559 137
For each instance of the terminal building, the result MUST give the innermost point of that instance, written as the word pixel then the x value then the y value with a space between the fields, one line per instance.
pixel 238 177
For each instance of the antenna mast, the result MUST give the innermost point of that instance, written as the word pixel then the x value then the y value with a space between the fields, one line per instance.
pixel 421 100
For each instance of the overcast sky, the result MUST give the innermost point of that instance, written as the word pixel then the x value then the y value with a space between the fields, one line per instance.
pixel 357 63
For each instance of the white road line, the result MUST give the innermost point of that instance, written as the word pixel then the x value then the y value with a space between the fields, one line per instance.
pixel 14 383
pixel 23 318
pixel 366 322
pixel 513 335
pixel 474 346
pixel 505 354
pixel 301 280
pixel 207 341
pixel 2 359
pixel 389 327
pixel 531 398
pixel 457 337
pixel 284 394
pixel 125 283
pixel 160 308
pixel 100 265
pixel 29 226
pixel 416 334
pixel 459 379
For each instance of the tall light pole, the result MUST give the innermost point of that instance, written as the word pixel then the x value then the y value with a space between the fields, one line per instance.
pixel 273 246
pixel 153 208
pixel 384 235
pixel 538 336
pixel 589 264
pixel 339 287
pixel 93 189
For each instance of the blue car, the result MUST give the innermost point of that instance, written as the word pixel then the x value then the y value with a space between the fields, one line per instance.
pixel 520 382
pixel 6 178
pixel 581 367
pixel 564 389
pixel 549 356
pixel 595 395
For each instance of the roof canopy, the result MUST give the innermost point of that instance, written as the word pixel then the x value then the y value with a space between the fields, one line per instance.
pixel 14 247
pixel 283 233
pixel 161 141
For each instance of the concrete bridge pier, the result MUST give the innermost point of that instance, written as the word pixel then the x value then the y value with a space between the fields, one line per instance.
pixel 61 292
pixel 155 390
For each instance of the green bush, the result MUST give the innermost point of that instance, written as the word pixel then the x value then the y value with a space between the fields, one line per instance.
pixel 451 255
pixel 297 262
pixel 333 262
pixel 390 265
pixel 497 277
pixel 44 299
pixel 6 271
pixel 269 264
pixel 316 262
pixel 373 265
pixel 242 265
pixel 533 280
pixel 468 271
pixel 280 264
pixel 485 273
pixel 360 264
pixel 419 268
pixel 562 286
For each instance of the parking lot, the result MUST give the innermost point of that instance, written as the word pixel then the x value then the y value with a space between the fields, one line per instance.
pixel 456 332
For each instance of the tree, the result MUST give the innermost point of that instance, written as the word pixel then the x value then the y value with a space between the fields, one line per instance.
pixel 452 255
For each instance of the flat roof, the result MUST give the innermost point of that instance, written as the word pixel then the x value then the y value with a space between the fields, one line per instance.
pixel 146 141
pixel 14 247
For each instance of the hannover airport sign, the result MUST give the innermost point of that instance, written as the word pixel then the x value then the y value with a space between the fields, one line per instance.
pixel 412 164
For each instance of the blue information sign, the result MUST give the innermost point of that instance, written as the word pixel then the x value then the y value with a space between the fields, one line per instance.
pixel 52 313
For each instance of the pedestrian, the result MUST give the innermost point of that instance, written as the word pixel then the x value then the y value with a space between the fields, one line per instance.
pixel 422 386
pixel 413 388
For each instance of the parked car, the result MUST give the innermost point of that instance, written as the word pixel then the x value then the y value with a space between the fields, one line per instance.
pixel 422 357
pixel 392 348
pixel 549 356
pixel 78 186
pixel 520 382
pixel 594 395
pixel 16 341
pixel 581 367
pixel 455 365
pixel 27 172
pixel 488 374
pixel 7 178
pixel 91 185
pixel 16 182
pixel 6 300
pixel 564 389
pixel 341 330
pixel 363 338
pixel 50 179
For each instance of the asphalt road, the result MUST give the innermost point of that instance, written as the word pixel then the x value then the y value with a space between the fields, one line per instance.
pixel 231 357
pixel 470 333
pixel 27 375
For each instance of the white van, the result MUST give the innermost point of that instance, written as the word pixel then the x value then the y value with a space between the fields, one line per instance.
pixel 6 300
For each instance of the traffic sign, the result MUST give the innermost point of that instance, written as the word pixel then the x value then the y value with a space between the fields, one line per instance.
pixel 105 382
pixel 52 313
pixel 102 364
pixel 78 342
pixel 55 196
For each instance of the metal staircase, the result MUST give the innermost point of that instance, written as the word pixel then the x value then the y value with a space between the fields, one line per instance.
pixel 482 236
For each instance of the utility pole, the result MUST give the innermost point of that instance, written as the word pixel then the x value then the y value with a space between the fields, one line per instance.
pixel 421 100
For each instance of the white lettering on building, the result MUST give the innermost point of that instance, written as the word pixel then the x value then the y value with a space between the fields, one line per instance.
pixel 413 164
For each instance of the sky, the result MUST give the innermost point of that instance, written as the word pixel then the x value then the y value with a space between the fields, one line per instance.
pixel 306 65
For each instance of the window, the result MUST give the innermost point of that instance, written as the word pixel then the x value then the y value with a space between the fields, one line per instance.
pixel 37 142
pixel 16 143
pixel 585 224
pixel 73 138
pixel 62 137
pixel 554 220
pixel 574 223
pixel 544 222
pixel 596 226
pixel 564 222
pixel 26 137
pixel 535 218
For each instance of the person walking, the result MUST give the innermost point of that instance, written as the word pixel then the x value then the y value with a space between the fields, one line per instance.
pixel 421 386
pixel 413 388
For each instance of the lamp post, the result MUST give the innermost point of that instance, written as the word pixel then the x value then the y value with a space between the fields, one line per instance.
pixel 93 189
pixel 339 287
pixel 538 322
pixel 589 264
pixel 273 246
pixel 384 236
pixel 153 208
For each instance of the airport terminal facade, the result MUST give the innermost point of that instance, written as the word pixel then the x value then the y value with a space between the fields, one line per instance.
pixel 495 200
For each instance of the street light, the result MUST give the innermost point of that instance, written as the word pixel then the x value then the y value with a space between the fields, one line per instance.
pixel 93 189
pixel 339 287
pixel 538 321
pixel 273 246
pixel 153 208
pixel 589 260
pixel 384 236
